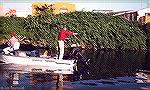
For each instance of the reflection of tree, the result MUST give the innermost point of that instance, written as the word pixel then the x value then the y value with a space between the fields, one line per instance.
pixel 147 62
pixel 107 64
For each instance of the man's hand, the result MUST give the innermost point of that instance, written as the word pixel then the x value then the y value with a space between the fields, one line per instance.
pixel 75 33
pixel 67 39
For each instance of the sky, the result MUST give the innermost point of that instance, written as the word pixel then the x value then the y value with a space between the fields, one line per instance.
pixel 87 5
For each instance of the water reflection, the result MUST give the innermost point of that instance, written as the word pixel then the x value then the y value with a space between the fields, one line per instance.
pixel 10 81
pixel 20 81
pixel 107 67
pixel 107 64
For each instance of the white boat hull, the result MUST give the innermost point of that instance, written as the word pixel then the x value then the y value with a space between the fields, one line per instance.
pixel 38 63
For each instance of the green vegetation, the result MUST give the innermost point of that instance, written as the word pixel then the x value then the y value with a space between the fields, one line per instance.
pixel 11 25
pixel 95 29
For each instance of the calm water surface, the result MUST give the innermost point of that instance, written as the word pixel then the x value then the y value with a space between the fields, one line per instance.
pixel 103 70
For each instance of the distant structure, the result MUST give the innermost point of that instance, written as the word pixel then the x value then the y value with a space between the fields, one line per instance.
pixel 56 8
pixel 103 11
pixel 142 15
pixel 129 15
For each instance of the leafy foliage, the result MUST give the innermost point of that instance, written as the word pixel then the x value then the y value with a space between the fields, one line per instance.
pixel 96 29
pixel 11 24
pixel 105 31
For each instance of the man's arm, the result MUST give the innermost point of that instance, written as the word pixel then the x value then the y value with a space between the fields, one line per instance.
pixel 69 33
pixel 75 33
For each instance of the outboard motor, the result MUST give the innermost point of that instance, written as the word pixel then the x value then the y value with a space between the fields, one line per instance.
pixel 72 52
pixel 81 61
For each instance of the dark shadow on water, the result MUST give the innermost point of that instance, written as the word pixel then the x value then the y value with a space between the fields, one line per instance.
pixel 104 64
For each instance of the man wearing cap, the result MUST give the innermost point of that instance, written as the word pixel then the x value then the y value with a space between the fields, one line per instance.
pixel 13 44
pixel 61 37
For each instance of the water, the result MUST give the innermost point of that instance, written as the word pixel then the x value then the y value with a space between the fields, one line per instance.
pixel 106 64
pixel 103 70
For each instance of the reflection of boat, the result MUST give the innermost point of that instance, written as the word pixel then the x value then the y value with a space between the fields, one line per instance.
pixel 143 76
pixel 39 63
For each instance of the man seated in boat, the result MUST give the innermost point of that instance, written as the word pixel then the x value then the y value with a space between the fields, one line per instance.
pixel 13 44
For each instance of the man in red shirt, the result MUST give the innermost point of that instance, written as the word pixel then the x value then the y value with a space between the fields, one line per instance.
pixel 61 37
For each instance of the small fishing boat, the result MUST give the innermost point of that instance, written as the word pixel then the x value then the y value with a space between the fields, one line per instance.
pixel 40 63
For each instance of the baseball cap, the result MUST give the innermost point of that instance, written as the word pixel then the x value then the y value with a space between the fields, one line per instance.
pixel 12 34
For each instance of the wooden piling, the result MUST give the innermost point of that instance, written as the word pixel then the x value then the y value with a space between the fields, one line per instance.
pixel 59 82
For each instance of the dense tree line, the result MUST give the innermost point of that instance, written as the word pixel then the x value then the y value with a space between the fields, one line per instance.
pixel 95 29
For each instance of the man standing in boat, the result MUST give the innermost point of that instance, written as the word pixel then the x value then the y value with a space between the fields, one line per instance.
pixel 61 37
